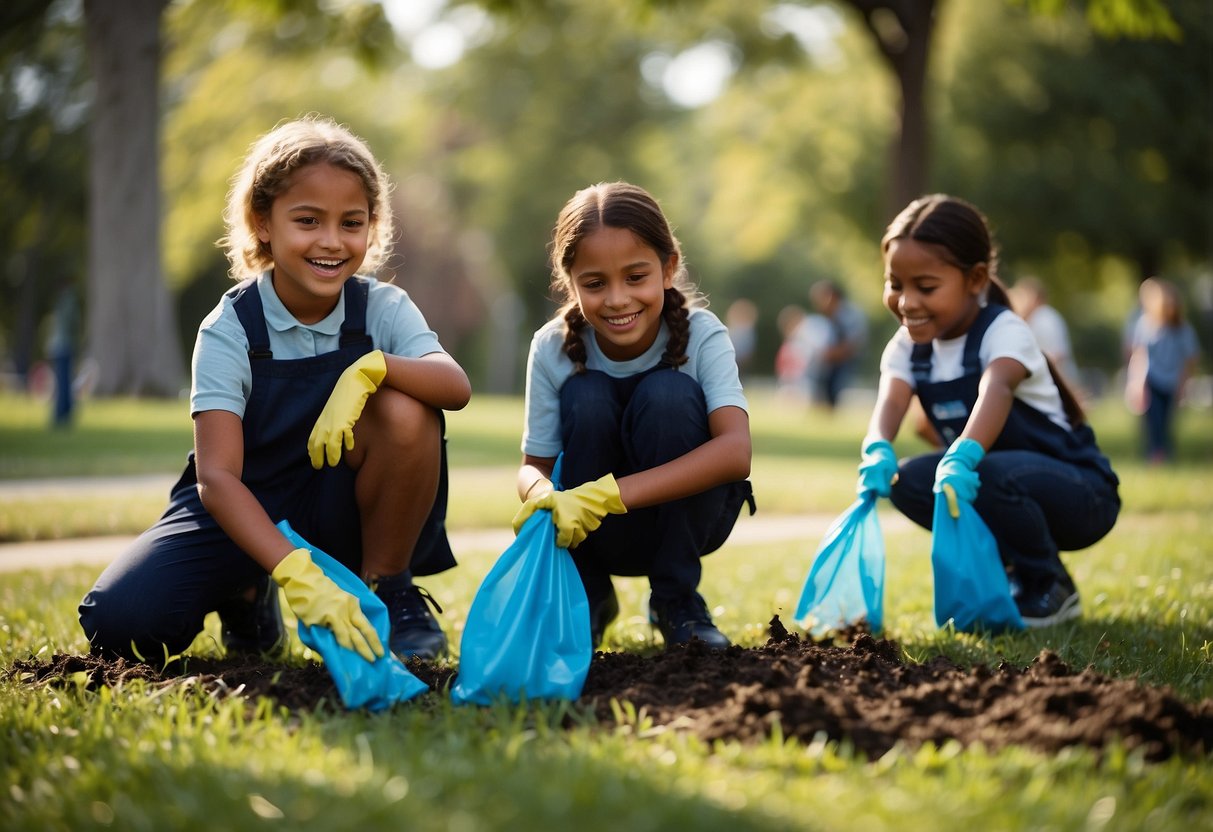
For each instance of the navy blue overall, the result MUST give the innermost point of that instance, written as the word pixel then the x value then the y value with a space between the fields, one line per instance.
pixel 624 425
pixel 157 593
pixel 1043 488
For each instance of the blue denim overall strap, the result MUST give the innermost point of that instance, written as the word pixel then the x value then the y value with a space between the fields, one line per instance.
pixel 948 405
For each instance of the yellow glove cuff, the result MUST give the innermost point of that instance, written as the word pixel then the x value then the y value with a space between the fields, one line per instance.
pixel 292 567
pixel 374 366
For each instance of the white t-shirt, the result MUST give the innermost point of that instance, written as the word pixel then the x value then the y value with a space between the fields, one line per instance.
pixel 1053 336
pixel 710 361
pixel 222 377
pixel 1007 337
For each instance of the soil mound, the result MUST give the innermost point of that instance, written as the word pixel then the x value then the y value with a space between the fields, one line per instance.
pixel 863 694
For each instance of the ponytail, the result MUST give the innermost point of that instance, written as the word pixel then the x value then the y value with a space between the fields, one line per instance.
pixel 997 293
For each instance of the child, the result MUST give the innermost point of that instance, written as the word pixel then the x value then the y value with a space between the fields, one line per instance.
pixel 636 384
pixel 1164 354
pixel 1009 423
pixel 316 398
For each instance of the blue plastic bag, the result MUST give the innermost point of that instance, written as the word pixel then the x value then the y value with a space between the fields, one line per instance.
pixel 971 586
pixel 846 582
pixel 528 629
pixel 372 685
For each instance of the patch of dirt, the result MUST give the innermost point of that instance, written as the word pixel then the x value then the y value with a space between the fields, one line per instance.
pixel 863 694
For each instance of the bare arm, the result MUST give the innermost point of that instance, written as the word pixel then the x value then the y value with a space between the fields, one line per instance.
pixel 892 403
pixel 725 457
pixel 435 379
pixel 219 458
pixel 534 469
pixel 995 395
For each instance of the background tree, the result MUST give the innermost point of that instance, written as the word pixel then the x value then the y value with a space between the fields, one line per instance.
pixel 132 332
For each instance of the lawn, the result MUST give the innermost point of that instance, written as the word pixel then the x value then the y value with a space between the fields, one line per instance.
pixel 141 757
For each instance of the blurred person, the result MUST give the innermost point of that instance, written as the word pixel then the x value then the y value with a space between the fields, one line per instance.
pixel 1019 449
pixel 61 349
pixel 633 386
pixel 317 398
pixel 848 335
pixel 802 338
pixel 1163 357
pixel 741 320
pixel 1030 301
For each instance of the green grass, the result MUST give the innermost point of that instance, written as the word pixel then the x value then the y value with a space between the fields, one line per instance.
pixel 138 757
pixel 800 459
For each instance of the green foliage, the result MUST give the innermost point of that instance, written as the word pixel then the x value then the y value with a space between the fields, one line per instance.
pixel 1085 151
pixel 1117 18
pixel 43 96
pixel 1073 126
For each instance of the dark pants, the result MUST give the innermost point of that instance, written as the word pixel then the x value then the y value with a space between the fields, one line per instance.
pixel 1159 414
pixel 1033 504
pixel 156 594
pixel 62 413
pixel 620 427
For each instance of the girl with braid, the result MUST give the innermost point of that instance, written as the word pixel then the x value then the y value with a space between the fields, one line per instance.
pixel 636 384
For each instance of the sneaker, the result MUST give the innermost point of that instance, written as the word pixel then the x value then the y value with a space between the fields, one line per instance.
pixel 603 611
pixel 255 626
pixel 415 631
pixel 683 618
pixel 1058 602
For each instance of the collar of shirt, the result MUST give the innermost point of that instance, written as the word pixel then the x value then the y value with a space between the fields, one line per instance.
pixel 279 319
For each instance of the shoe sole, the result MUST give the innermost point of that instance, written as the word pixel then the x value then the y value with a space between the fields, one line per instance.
pixel 1071 609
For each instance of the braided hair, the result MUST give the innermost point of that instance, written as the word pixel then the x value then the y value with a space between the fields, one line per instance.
pixel 619 205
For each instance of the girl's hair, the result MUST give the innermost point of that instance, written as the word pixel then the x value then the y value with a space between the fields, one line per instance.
pixel 1161 301
pixel 619 205
pixel 960 234
pixel 266 172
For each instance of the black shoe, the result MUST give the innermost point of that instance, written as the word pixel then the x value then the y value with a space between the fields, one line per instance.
pixel 685 617
pixel 1055 603
pixel 415 631
pixel 603 611
pixel 253 626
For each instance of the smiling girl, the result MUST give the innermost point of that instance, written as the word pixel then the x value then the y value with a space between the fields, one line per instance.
pixel 1018 445
pixel 317 398
pixel 637 385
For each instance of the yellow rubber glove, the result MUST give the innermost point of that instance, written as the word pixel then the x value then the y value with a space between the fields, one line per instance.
pixel 575 512
pixel 316 600
pixel 335 426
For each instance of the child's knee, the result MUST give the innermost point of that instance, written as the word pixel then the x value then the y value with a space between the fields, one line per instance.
pixel 590 402
pixel 669 394
pixel 134 629
pixel 394 418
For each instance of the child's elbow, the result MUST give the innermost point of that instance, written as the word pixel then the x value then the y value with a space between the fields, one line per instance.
pixel 461 393
pixel 741 457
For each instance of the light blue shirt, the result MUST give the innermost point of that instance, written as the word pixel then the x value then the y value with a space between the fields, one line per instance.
pixel 222 378
pixel 1168 351
pixel 711 361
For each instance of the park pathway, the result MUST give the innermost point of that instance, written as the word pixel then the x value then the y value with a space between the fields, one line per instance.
pixel 98 551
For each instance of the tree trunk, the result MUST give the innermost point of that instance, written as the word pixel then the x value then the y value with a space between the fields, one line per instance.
pixel 902 30
pixel 132 331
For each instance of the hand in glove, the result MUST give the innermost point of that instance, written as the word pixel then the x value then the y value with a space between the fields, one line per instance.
pixel 317 601
pixel 335 426
pixel 956 475
pixel 877 468
pixel 575 512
